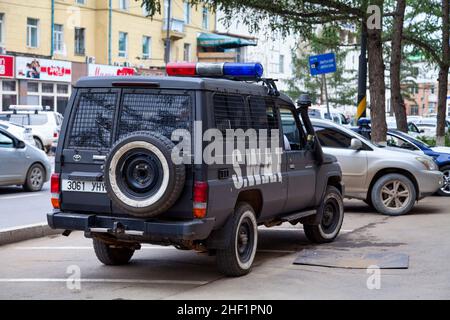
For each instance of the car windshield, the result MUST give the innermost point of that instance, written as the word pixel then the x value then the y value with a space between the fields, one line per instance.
pixel 413 140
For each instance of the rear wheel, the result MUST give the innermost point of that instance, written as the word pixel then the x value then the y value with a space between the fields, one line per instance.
pixel 110 255
pixel 38 143
pixel 237 259
pixel 35 178
pixel 332 210
pixel 393 194
pixel 445 190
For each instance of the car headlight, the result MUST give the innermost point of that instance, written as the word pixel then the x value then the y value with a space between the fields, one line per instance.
pixel 428 163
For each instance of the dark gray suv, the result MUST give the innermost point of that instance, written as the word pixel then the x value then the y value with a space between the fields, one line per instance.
pixel 181 161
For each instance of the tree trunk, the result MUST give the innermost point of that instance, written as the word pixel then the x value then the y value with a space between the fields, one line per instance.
pixel 441 129
pixel 377 85
pixel 397 103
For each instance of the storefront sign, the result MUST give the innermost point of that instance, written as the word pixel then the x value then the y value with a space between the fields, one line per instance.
pixel 43 69
pixel 6 66
pixel 101 70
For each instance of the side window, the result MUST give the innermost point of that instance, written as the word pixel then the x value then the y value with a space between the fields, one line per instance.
pixel 5 141
pixel 92 122
pixel 229 112
pixel 38 119
pixel 20 119
pixel 396 142
pixel 291 134
pixel 331 138
pixel 262 113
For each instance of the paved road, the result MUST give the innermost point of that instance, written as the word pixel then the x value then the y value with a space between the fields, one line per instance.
pixel 19 208
pixel 37 269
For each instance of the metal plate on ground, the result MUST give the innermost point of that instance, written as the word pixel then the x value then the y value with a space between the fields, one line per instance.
pixel 351 260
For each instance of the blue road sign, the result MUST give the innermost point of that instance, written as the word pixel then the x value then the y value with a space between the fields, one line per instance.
pixel 322 63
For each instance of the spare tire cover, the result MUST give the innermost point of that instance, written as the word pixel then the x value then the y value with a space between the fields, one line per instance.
pixel 140 177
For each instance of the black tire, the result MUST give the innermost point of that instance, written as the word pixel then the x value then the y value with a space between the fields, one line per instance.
pixel 111 256
pixel 445 190
pixel 237 259
pixel 332 210
pixel 34 180
pixel 368 201
pixel 403 192
pixel 140 176
pixel 38 143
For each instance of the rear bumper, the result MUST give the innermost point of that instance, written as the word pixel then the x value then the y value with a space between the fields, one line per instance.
pixel 429 182
pixel 125 227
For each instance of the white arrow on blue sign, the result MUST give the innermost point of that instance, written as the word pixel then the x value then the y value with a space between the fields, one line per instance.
pixel 322 63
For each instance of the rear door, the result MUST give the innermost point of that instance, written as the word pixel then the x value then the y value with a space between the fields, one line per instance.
pixel 87 141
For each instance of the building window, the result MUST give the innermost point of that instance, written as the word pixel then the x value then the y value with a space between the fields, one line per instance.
pixel 432 89
pixel 32 32
pixel 79 41
pixel 123 4
pixel 58 38
pixel 145 12
pixel 8 94
pixel 1 27
pixel 205 18
pixel 414 110
pixel 53 95
pixel 81 2
pixel 187 52
pixel 123 44
pixel 281 63
pixel 187 12
pixel 146 47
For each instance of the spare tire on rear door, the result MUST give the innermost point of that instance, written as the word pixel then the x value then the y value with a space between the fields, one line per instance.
pixel 140 177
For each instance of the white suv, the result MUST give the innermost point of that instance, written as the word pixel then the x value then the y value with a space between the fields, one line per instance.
pixel 45 125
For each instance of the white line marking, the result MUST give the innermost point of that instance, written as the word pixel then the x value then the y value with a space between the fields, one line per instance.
pixel 21 196
pixel 138 281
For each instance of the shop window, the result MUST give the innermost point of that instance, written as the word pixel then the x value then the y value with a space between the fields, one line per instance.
pixel 7 100
pixel 62 88
pixel 33 87
pixel 48 101
pixel 47 87
pixel 8 85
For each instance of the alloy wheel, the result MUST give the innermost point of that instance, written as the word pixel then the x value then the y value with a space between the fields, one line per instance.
pixel 395 194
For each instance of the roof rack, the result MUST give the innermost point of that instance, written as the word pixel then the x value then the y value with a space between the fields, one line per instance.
pixel 269 83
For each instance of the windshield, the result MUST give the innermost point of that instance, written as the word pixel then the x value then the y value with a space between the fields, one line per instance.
pixel 417 142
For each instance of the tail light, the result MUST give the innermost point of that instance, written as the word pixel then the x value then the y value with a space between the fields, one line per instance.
pixel 200 199
pixel 55 189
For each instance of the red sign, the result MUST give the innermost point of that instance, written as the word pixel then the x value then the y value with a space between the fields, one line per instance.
pixel 105 70
pixel 6 66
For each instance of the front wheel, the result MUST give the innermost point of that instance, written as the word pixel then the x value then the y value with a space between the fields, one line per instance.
pixel 237 259
pixel 393 194
pixel 445 190
pixel 110 255
pixel 332 210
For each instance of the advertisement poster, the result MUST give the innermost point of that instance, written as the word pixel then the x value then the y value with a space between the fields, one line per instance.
pixel 100 70
pixel 43 69
pixel 6 66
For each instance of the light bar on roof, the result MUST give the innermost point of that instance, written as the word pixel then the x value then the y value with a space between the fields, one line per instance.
pixel 225 69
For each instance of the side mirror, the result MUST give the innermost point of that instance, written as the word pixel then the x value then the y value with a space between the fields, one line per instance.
pixel 356 144
pixel 421 131
pixel 20 144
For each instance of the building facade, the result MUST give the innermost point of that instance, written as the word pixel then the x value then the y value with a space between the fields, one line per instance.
pixel 47 45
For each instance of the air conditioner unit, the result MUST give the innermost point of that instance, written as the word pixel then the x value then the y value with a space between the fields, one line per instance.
pixel 2 50
pixel 90 60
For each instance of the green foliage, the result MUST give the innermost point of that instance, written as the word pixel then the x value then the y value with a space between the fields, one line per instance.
pixel 432 141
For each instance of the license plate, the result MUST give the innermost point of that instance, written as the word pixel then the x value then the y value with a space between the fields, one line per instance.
pixel 83 186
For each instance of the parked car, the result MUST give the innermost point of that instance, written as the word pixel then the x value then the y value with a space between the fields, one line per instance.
pixel 21 163
pixel 322 113
pixel 45 124
pixel 21 132
pixel 388 179
pixel 116 181
pixel 441 155
pixel 429 125
pixel 413 130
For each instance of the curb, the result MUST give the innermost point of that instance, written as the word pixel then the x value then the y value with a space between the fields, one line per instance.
pixel 26 232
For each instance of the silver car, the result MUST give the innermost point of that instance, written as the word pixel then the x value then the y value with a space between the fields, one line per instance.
pixel 22 163
pixel 385 178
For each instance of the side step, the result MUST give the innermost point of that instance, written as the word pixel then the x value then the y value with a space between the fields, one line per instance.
pixel 298 215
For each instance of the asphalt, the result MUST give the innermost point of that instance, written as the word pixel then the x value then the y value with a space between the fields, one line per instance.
pixel 44 268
